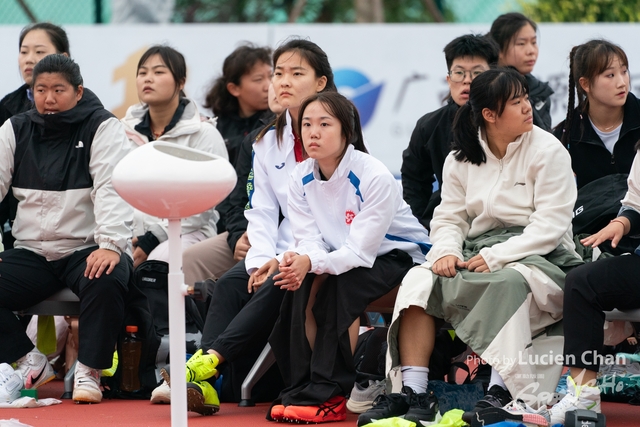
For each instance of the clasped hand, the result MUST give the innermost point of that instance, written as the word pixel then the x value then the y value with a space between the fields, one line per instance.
pixel 448 265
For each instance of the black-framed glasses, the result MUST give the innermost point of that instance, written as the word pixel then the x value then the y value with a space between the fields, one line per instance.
pixel 457 76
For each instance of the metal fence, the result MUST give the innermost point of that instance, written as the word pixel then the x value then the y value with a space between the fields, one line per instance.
pixel 22 12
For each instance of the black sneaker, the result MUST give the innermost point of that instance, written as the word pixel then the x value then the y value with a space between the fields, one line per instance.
pixel 387 406
pixel 423 408
pixel 496 397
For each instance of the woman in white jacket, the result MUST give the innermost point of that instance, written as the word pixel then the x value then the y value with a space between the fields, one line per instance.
pixel 354 240
pixel 245 303
pixel 502 244
pixel 165 114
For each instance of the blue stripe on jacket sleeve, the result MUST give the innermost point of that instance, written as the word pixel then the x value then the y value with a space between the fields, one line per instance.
pixel 355 181
pixel 424 247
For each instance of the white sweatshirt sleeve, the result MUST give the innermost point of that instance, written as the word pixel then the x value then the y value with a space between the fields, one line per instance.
pixel 263 212
pixel 450 223
pixel 113 215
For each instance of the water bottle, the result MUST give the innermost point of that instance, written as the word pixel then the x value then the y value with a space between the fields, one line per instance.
pixel 131 350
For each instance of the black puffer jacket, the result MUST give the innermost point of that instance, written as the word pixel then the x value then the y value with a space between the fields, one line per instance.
pixel 424 157
pixel 590 159
pixel 540 97
pixel 234 129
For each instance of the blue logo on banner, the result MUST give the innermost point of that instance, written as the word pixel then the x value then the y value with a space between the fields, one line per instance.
pixel 357 87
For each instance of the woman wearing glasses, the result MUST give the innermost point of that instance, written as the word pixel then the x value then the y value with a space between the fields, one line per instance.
pixel 422 162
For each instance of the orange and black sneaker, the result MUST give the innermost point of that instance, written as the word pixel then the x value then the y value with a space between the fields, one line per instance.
pixel 277 413
pixel 334 409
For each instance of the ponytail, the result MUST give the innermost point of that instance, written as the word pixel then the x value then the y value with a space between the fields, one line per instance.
pixel 566 131
pixel 466 144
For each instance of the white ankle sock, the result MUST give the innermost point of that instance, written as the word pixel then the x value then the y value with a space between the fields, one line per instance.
pixel 496 379
pixel 416 377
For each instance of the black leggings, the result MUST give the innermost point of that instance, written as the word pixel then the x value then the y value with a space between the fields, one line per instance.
pixel 590 290
pixel 238 321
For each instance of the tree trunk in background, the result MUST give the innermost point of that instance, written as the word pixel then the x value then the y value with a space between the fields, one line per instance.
pixel 369 10
pixel 296 11
pixel 434 11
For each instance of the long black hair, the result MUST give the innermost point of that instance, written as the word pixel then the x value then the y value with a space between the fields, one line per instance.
pixel 587 61
pixel 173 60
pixel 236 65
pixel 344 111
pixel 505 27
pixel 316 58
pixel 491 89
pixel 57 35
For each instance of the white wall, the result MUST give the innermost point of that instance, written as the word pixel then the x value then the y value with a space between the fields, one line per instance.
pixel 406 60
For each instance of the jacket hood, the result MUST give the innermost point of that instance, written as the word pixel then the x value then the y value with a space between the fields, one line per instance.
pixel 538 89
pixel 189 122
pixel 88 104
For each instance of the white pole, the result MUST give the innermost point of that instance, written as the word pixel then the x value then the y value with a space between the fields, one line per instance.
pixel 177 339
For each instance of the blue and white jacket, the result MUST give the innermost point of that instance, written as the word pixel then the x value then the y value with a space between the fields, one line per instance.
pixel 272 165
pixel 352 218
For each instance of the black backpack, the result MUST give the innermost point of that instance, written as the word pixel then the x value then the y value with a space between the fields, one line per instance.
pixel 152 277
pixel 137 313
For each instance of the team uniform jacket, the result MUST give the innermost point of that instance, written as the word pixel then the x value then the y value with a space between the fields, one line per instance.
pixel 349 220
pixel 269 230
pixel 590 159
pixel 190 131
pixel 531 187
pixel 60 167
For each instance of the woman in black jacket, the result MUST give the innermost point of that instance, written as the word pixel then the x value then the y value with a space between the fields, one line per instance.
pixel 238 98
pixel 518 40
pixel 602 130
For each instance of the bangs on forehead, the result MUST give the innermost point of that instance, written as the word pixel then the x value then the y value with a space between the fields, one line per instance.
pixel 517 89
pixel 610 57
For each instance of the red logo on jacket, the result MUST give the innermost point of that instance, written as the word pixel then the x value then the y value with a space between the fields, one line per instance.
pixel 348 217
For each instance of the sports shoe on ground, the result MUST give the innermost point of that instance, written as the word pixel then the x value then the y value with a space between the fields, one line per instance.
pixel 10 383
pixel 202 398
pixel 361 398
pixel 423 408
pixel 387 406
pixel 86 388
pixel 34 369
pixel 517 411
pixel 334 409
pixel 161 394
pixel 577 397
pixel 201 366
pixel 496 397
pixel 277 413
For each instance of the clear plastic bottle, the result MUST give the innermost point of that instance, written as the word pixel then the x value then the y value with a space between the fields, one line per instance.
pixel 131 351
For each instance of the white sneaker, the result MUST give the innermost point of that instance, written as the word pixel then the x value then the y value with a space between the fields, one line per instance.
pixel 161 394
pixel 361 398
pixel 10 383
pixel 86 388
pixel 34 369
pixel 520 407
pixel 578 397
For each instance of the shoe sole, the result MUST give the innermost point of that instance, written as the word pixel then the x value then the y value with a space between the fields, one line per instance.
pixel 359 407
pixel 195 403
pixel 86 399
pixel 155 400
pixel 302 421
pixel 495 415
